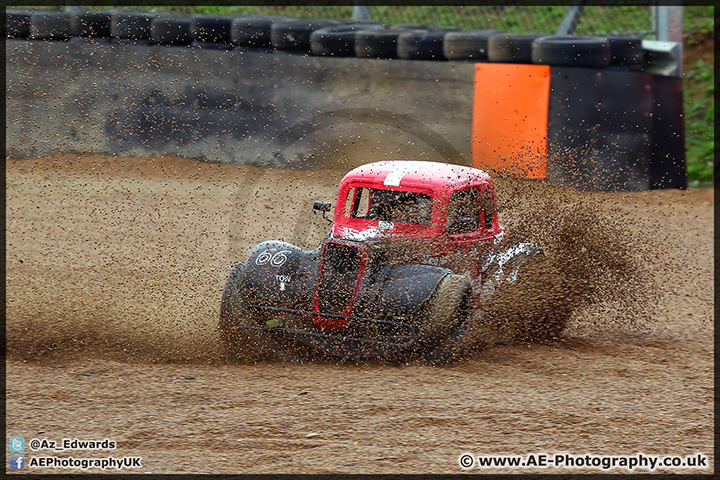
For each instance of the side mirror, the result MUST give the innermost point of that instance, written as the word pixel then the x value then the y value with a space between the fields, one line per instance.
pixel 322 206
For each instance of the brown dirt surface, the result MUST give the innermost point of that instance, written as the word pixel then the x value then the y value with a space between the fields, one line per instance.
pixel 698 46
pixel 115 269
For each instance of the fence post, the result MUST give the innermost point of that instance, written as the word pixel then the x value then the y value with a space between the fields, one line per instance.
pixel 667 25
pixel 361 10
pixel 570 19
pixel 73 6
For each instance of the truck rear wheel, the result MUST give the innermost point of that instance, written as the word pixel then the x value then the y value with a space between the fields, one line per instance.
pixel 446 307
pixel 471 335
pixel 521 301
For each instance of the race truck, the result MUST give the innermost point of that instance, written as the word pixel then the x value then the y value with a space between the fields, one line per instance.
pixel 413 252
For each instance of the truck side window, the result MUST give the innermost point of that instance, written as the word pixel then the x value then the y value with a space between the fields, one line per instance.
pixel 349 202
pixel 464 212
pixel 357 203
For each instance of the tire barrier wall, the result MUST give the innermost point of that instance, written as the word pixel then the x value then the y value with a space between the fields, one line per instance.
pixel 244 105
pixel 600 123
pixel 597 129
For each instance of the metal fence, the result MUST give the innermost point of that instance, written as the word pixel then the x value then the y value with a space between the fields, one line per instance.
pixel 636 20
pixel 644 19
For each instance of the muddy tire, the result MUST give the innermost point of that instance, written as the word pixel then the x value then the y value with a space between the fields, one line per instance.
pixel 50 26
pixel 377 43
pixel 452 309
pixel 211 29
pixel 417 45
pixel 625 51
pixel 254 31
pixel 295 34
pixel 446 312
pixel 239 343
pixel 90 24
pixel 171 31
pixel 338 41
pixel 571 51
pixel 131 25
pixel 467 44
pixel 511 48
pixel 465 340
pixel 445 308
pixel 17 23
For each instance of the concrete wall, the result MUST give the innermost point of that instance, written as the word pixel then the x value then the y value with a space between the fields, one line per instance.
pixel 243 105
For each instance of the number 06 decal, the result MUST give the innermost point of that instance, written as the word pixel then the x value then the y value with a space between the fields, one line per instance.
pixel 275 260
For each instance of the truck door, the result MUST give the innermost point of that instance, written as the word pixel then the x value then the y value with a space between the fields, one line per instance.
pixel 471 217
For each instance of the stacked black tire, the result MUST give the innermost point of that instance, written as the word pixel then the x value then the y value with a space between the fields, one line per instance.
pixel 324 37
pixel 567 50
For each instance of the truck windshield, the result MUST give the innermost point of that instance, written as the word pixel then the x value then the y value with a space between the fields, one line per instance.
pixel 389 206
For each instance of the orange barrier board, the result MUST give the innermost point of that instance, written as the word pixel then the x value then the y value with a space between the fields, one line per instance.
pixel 510 119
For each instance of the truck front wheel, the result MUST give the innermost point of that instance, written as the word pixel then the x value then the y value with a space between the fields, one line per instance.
pixel 240 343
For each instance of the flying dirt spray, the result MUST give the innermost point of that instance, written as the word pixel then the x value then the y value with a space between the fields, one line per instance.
pixel 165 309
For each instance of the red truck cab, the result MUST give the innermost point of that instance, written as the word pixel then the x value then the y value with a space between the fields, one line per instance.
pixel 408 259
pixel 450 207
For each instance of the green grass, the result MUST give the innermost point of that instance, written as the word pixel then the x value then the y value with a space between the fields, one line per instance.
pixel 699 20
pixel 699 98
pixel 699 92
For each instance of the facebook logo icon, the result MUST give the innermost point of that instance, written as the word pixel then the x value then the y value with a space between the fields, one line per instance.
pixel 17 462
pixel 17 444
